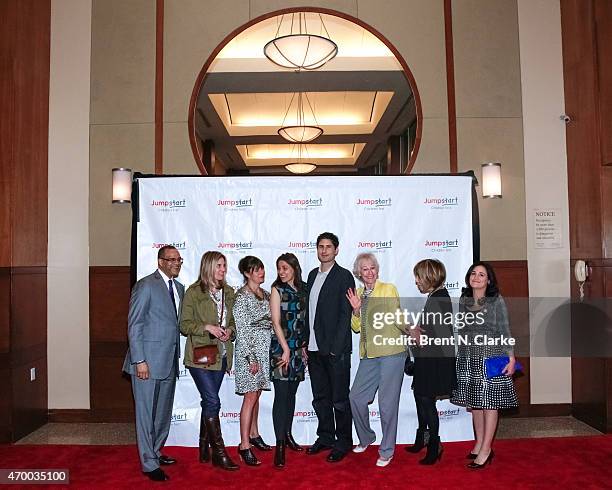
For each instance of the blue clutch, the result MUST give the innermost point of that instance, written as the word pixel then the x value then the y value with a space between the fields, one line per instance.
pixel 495 365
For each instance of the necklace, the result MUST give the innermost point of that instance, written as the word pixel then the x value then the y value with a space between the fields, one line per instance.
pixel 257 292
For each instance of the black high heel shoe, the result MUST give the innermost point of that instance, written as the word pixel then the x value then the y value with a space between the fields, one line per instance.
pixel 259 443
pixel 291 444
pixel 476 466
pixel 247 456
pixel 471 455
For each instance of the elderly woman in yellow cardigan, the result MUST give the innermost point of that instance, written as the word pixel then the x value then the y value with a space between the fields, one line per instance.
pixel 382 353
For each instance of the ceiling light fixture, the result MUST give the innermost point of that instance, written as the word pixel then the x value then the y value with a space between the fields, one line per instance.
pixel 300 50
pixel 300 167
pixel 300 132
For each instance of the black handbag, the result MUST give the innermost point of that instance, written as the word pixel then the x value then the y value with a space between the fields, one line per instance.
pixel 409 364
pixel 409 367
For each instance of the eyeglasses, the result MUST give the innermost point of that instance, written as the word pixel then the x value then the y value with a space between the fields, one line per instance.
pixel 174 261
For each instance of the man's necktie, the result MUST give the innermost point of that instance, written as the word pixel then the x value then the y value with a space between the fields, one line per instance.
pixel 171 289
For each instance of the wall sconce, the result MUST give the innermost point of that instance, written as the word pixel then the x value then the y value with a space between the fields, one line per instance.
pixel 122 185
pixel 491 180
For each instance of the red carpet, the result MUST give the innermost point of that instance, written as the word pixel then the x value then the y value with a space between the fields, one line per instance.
pixel 572 462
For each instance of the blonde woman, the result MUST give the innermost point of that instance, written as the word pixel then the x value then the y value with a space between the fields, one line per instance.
pixel 434 365
pixel 381 365
pixel 207 320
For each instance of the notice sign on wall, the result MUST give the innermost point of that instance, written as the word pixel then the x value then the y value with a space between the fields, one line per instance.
pixel 547 228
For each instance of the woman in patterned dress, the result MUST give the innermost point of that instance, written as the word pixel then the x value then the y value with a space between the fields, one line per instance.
pixel 252 355
pixel 288 349
pixel 484 396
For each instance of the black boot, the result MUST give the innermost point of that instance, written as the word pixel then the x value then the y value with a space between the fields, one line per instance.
pixel 259 443
pixel 279 454
pixel 420 441
pixel 247 456
pixel 434 451
pixel 220 457
pixel 204 444
pixel 291 444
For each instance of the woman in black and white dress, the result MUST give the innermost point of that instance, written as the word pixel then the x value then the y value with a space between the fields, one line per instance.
pixel 252 355
pixel 484 396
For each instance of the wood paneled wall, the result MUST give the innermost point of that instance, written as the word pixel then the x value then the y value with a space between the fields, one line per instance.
pixel 110 390
pixel 587 49
pixel 24 133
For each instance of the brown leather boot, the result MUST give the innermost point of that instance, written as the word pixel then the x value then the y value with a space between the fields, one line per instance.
pixel 220 457
pixel 204 445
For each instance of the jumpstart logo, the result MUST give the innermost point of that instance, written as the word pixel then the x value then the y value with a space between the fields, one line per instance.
pixel 374 415
pixel 448 413
pixel 235 246
pixel 235 204
pixel 168 205
pixel 442 245
pixel 177 245
pixel 438 202
pixel 305 204
pixel 452 286
pixel 375 244
pixel 374 204
pixel 231 417
pixel 178 417
pixel 305 415
pixel 302 246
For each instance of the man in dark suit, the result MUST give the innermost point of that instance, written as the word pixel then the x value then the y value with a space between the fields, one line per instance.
pixel 152 357
pixel 329 350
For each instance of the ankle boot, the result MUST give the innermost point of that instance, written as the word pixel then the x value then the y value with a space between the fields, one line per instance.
pixel 420 440
pixel 434 451
pixel 220 457
pixel 279 454
pixel 204 446
pixel 247 456
pixel 291 444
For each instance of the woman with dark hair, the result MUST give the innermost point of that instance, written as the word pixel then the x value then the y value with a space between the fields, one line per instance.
pixel 288 349
pixel 253 332
pixel 483 395
pixel 207 321
pixel 434 365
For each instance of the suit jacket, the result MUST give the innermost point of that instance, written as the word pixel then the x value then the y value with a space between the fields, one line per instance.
pixel 332 325
pixel 153 327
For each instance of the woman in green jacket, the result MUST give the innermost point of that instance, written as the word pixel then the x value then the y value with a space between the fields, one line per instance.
pixel 207 320
pixel 382 351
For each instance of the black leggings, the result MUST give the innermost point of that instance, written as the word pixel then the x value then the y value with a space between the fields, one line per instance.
pixel 427 414
pixel 284 406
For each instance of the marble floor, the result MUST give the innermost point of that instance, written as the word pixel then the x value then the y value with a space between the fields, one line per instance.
pixel 509 428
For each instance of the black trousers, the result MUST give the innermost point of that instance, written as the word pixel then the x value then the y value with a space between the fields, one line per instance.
pixel 330 381
pixel 283 407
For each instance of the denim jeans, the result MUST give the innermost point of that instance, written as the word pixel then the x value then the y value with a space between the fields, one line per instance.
pixel 208 383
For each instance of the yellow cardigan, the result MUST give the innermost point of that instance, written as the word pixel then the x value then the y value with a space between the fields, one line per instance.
pixel 389 338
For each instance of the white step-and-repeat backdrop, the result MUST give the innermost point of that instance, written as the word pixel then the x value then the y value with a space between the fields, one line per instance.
pixel 400 219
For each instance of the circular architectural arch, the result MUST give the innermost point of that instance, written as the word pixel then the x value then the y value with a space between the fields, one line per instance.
pixel 198 154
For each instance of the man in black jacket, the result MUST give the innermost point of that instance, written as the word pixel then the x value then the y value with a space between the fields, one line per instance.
pixel 329 350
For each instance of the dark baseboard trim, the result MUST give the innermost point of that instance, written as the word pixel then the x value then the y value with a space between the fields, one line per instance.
pixel 74 416
pixel 539 410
